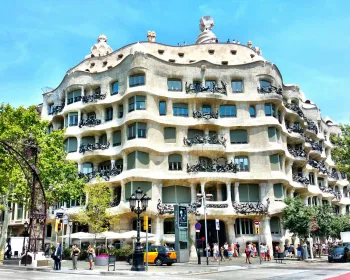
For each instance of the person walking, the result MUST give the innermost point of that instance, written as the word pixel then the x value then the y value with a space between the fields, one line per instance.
pixel 299 251
pixel 225 250
pixel 262 252
pixel 91 255
pixel 75 254
pixel 216 252
pixel 268 253
pixel 247 254
pixel 58 257
pixel 237 245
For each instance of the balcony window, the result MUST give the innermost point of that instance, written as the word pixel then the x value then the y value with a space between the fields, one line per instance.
pixel 50 109
pixel 312 178
pixel 242 162
pixel 87 167
pixel 228 111
pixel 249 193
pixel 71 144
pixel 169 134
pixel 86 140
pixel 265 84
pixel 239 136
pixel 109 114
pixel 273 134
pixel 210 83
pixel 176 194
pixel 270 110
pixel 244 226
pixel 275 162
pixel 72 118
pixel 162 108
pixel 197 85
pixel 192 133
pixel 237 86
pixel 117 138
pixel 103 139
pixel 206 109
pixel 105 165
pixel 252 111
pixel 275 225
pixel 180 109
pixel 175 162
pixel 137 80
pixel 120 111
pixel 138 160
pixel 137 102
pixel 131 187
pixel 278 192
pixel 74 96
pixel 137 130
pixel 115 87
pixel 19 211
pixel 169 224
pixel 174 85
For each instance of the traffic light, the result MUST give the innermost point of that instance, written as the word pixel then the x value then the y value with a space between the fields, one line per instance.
pixel 256 230
pixel 57 222
pixel 145 223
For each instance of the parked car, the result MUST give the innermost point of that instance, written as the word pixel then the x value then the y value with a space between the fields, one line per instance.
pixel 157 255
pixel 340 254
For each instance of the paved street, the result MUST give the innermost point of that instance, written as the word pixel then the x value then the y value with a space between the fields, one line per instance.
pixel 293 270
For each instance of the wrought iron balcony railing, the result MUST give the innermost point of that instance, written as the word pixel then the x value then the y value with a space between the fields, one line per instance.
pixel 301 179
pixel 93 97
pixel 213 88
pixel 207 139
pixel 319 165
pixel 334 175
pixel 93 147
pixel 115 202
pixel 295 108
pixel 337 194
pixel 205 115
pixel 270 89
pixel 316 146
pixel 228 167
pixel 90 122
pixel 297 152
pixel 296 129
pixel 106 174
pixel 252 208
pixel 312 126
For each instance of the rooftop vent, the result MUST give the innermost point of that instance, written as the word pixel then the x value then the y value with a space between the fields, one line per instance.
pixel 252 55
pixel 211 51
pixel 191 61
pixel 171 60
pixel 120 56
pixel 160 51
pixel 104 63
pixel 92 64
pixel 225 62
pixel 233 52
pixel 181 54
pixel 109 67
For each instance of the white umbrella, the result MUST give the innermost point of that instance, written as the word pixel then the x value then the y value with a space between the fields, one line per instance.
pixel 84 235
pixel 111 235
pixel 133 234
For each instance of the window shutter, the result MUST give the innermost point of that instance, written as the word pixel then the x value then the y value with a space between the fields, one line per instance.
pixel 142 160
pixel 103 139
pixel 131 160
pixel 175 158
pixel 168 195
pixel 272 134
pixel 278 191
pixel 238 136
pixel 243 193
pixel 145 186
pixel 141 125
pixel 183 194
pixel 73 144
pixel 88 140
pixel 117 138
pixel 254 193
pixel 275 225
pixel 170 135
pixel 193 132
pixel 275 162
pixel 140 98
pixel 128 190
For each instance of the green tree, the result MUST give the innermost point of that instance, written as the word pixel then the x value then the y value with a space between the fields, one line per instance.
pixel 296 217
pixel 324 220
pixel 341 150
pixel 339 224
pixel 58 175
pixel 96 214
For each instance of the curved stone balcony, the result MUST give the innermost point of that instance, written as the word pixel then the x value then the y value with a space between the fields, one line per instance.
pixel 93 97
pixel 202 140
pixel 93 147
pixel 295 109
pixel 227 167
pixel 301 179
pixel 319 165
pixel 298 154
pixel 213 88
pixel 105 174
pixel 90 122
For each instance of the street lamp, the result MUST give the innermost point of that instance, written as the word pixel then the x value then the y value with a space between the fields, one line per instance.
pixel 24 240
pixel 204 198
pixel 138 204
pixel 70 223
pixel 198 217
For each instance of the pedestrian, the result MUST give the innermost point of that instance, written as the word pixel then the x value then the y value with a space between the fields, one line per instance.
pixel 247 254
pixel 216 252
pixel 222 253
pixel 299 250
pixel 286 250
pixel 255 253
pixel 262 251
pixel 229 252
pixel 250 246
pixel 291 251
pixel 91 255
pixel 208 251
pixel 226 250
pixel 237 245
pixel 75 254
pixel 268 253
pixel 58 257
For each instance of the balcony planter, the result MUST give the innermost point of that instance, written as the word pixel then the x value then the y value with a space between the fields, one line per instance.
pixel 101 260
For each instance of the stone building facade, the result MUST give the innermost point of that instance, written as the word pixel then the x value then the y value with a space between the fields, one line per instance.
pixel 178 121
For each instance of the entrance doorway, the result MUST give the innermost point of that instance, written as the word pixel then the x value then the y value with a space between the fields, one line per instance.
pixel 212 235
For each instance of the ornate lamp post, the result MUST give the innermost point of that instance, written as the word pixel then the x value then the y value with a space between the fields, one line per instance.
pixel 198 217
pixel 138 204
pixel 24 250
pixel 70 223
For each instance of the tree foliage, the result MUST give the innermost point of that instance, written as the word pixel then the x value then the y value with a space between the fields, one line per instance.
pixel 324 220
pixel 296 217
pixel 95 214
pixel 341 151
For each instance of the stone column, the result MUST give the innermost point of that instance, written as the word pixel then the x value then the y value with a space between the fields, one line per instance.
pixel 291 194
pixel 193 193
pixel 169 107
pixel 122 191
pixel 231 236
pixel 158 229
pixel 237 192
pixel 79 116
pixel 97 138
pixel 110 138
pixel 115 111
pixel 266 233
pixel 228 191
pixel 78 143
pixel 219 192
pixel 263 191
pixel 112 163
pixel 80 167
pixel 306 200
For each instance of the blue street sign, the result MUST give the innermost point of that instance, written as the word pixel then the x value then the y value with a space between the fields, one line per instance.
pixel 198 226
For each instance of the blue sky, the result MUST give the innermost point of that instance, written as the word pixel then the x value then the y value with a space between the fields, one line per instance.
pixel 308 40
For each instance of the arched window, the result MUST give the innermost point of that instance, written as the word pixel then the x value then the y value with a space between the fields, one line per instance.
pixel 169 226
pixel 176 194
pixel 87 167
pixel 278 192
pixel 244 227
pixel 275 225
pixel 137 80
pixel 252 111
pixel 264 84
pixel 73 96
pixel 71 144
pixel 175 162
